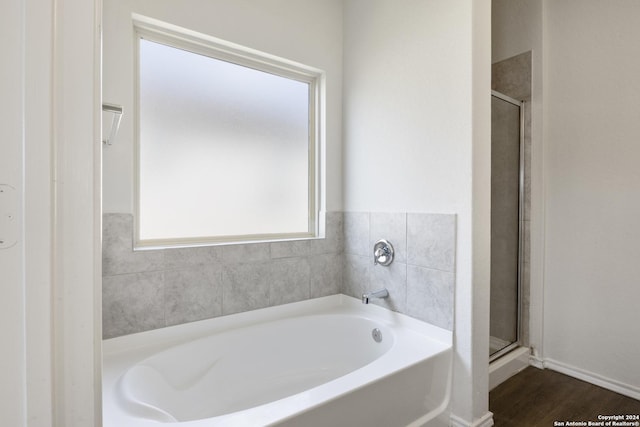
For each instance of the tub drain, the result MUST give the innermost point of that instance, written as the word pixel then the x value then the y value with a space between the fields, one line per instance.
pixel 376 334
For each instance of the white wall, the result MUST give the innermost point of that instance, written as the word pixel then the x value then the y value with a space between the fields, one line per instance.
pixel 407 106
pixel 12 304
pixel 416 75
pixel 50 151
pixel 592 273
pixel 307 31
pixel 516 27
pixel 25 165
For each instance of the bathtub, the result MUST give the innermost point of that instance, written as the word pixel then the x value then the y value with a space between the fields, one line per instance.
pixel 327 361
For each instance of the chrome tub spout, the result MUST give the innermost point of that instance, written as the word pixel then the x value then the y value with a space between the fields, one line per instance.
pixel 382 293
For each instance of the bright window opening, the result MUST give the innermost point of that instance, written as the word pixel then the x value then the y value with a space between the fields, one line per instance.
pixel 226 146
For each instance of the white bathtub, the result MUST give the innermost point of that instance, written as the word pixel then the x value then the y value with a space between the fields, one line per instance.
pixel 312 363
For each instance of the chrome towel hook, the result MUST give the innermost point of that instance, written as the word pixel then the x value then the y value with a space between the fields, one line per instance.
pixel 116 110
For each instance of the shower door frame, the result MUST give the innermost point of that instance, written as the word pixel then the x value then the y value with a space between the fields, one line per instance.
pixel 517 342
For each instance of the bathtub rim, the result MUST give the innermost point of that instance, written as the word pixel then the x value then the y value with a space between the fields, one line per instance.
pixel 151 340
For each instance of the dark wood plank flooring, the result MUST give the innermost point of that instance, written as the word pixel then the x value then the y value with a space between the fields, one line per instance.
pixel 538 398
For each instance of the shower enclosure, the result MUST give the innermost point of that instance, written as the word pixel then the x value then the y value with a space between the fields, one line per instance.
pixel 507 182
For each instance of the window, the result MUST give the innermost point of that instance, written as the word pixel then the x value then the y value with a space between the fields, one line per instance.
pixel 227 142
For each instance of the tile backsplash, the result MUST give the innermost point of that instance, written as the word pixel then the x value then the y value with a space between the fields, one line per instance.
pixel 421 278
pixel 150 289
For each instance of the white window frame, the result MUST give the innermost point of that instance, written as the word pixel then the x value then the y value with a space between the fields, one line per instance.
pixel 168 34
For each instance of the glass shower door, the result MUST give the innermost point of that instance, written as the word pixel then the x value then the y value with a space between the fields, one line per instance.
pixel 506 206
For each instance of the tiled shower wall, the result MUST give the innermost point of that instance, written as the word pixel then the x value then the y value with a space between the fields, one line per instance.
pixel 151 289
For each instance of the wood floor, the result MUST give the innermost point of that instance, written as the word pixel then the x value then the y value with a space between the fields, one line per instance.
pixel 538 398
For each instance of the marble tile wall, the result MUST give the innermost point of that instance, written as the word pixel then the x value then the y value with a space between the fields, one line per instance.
pixel 150 289
pixel 421 279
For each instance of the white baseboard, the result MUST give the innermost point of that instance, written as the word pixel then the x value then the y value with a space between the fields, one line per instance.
pixel 596 379
pixel 485 421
